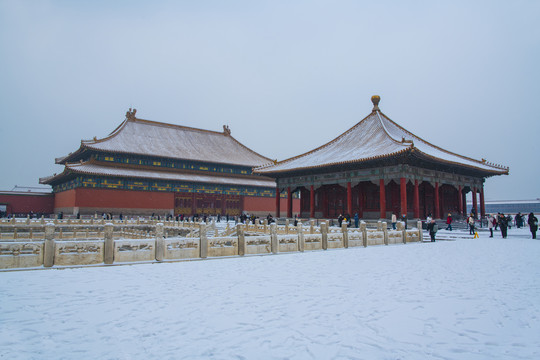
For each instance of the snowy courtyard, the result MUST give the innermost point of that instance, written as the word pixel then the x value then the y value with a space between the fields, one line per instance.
pixel 458 298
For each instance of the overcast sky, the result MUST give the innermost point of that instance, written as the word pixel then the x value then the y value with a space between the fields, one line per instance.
pixel 286 76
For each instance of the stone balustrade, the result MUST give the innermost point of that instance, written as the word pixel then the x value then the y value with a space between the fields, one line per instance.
pixel 111 244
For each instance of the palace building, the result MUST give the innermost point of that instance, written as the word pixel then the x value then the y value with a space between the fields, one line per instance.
pixel 377 168
pixel 146 167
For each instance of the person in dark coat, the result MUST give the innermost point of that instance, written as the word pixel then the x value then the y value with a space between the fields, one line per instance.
pixel 503 224
pixel 519 220
pixel 340 220
pixel 533 224
pixel 404 219
pixel 432 228
pixel 356 220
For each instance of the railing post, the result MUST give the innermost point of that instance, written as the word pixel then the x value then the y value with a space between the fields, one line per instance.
pixel 160 242
pixel 274 244
pixel 420 234
pixel 312 226
pixel 203 241
pixel 241 239
pixel 300 237
pixel 345 232
pixel 385 232
pixel 49 246
pixel 363 229
pixel 324 235
pixel 108 250
pixel 287 226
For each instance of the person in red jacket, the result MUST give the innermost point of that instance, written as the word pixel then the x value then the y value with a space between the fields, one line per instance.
pixel 449 222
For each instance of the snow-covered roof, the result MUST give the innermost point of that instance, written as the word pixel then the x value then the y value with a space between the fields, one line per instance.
pixel 98 169
pixel 151 138
pixel 375 137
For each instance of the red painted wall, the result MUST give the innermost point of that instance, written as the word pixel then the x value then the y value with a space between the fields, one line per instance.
pixel 64 199
pixel 23 203
pixel 111 198
pixel 268 205
pixel 130 199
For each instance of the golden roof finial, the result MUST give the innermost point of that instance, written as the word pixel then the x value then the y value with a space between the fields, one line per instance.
pixel 375 100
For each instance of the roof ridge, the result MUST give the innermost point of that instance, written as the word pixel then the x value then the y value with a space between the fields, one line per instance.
pixel 163 124
pixel 439 148
pixel 370 158
pixel 253 151
pixel 386 130
pixel 318 148
pixel 115 132
pixel 460 164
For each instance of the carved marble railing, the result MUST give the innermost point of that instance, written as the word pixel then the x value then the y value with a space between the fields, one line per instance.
pixel 131 245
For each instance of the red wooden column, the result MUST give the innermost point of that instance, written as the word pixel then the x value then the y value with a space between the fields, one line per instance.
pixel 278 202
pixel 289 203
pixel 474 203
pixel 349 199
pixel 482 203
pixel 311 202
pixel 223 205
pixel 437 214
pixel 382 199
pixel 416 200
pixel 460 200
pixel 403 195
pixel 464 201
pixel 361 201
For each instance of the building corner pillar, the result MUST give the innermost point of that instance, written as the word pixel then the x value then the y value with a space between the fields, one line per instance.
pixel 382 199
pixel 278 202
pixel 403 195
pixel 311 202
pixel 349 199
pixel 437 214
pixel 289 203
pixel 460 200
pixel 416 202
pixel 474 203
pixel 482 202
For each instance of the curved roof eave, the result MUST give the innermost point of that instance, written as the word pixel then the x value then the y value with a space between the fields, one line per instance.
pixel 500 171
pixel 357 161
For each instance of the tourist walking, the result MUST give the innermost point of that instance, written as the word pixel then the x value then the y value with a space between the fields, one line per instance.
pixel 432 228
pixel 503 224
pixel 491 224
pixel 356 220
pixel 394 221
pixel 533 224
pixel 519 220
pixel 449 222
pixel 470 221
pixel 404 219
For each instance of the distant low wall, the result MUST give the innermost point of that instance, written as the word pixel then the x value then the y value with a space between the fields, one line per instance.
pixel 54 250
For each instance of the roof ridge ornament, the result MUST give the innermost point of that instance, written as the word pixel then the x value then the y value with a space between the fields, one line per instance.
pixel 130 114
pixel 375 100
pixel 226 130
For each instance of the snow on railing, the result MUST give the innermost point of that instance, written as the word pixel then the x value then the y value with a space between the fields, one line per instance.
pixel 46 245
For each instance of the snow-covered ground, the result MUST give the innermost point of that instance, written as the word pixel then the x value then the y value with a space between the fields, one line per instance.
pixel 453 299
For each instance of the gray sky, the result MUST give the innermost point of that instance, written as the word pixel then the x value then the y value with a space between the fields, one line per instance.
pixel 286 76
